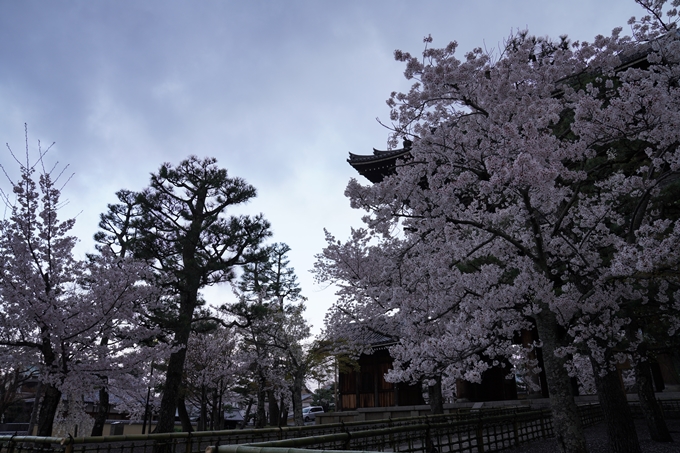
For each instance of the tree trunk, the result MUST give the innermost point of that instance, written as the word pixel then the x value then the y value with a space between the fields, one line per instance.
pixel 48 410
pixel 656 423
pixel 566 420
pixel 3 405
pixel 217 418
pixel 215 415
pixel 298 384
pixel 184 415
pixel 273 408
pixel 36 408
pixel 260 415
pixel 202 424
pixel 173 377
pixel 102 412
pixel 171 389
pixel 246 416
pixel 617 416
pixel 434 393
pixel 283 416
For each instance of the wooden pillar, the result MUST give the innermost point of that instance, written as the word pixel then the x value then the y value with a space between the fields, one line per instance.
pixel 357 375
pixel 669 372
pixel 376 372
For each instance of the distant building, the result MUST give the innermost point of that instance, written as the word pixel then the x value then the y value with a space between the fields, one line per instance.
pixel 365 386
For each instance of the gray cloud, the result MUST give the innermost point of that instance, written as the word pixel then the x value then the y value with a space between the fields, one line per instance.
pixel 279 92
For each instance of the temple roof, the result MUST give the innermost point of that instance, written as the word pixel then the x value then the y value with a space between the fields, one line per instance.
pixel 375 167
pixel 364 337
pixel 376 339
pixel 380 164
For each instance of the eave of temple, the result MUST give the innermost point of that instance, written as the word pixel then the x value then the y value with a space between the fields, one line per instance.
pixel 378 165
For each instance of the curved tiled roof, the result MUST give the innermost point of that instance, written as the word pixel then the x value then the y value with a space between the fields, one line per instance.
pixel 378 165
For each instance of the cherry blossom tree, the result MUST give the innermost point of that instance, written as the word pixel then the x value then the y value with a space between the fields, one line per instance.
pixel 542 187
pixel 396 289
pixel 212 367
pixel 57 308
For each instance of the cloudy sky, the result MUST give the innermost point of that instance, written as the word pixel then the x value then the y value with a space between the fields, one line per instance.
pixel 278 91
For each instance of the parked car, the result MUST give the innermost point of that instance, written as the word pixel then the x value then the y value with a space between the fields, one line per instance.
pixel 309 413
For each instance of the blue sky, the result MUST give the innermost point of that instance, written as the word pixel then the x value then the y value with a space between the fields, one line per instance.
pixel 278 91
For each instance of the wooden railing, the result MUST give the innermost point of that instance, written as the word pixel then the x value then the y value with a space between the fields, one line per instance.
pixel 197 442
pixel 473 434
pixel 462 431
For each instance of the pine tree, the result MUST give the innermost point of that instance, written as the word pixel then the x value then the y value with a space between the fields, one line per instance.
pixel 179 228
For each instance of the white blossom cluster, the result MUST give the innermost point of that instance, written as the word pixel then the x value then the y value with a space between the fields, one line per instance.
pixel 542 180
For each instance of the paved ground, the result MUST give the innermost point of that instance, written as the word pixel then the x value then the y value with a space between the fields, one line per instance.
pixel 596 437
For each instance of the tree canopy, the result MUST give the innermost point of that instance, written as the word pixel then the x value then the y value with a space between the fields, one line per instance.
pixel 178 227
pixel 541 188
pixel 75 322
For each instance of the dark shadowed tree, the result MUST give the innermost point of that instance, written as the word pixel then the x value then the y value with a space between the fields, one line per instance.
pixel 272 307
pixel 179 226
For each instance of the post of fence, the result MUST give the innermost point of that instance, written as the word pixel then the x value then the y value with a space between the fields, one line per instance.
pixel 428 444
pixel 392 442
pixel 10 444
pixel 187 447
pixel 660 404
pixel 68 444
pixel 543 431
pixel 480 436
pixel 349 435
pixel 515 427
